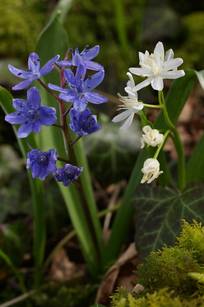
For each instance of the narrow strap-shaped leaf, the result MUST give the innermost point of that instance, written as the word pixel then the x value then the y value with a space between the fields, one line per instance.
pixel 195 165
pixel 36 189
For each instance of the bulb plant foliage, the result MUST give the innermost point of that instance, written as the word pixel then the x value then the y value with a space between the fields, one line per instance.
pixel 71 114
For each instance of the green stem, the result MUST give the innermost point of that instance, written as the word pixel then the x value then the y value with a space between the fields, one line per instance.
pixel 177 143
pixel 153 106
pixel 143 118
pixel 162 144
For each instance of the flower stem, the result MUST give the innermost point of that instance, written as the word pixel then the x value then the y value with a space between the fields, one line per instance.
pixel 153 106
pixel 177 143
pixel 162 144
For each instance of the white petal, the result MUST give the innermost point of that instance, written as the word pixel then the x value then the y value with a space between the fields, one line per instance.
pixel 144 72
pixel 169 55
pixel 157 84
pixel 159 49
pixel 122 116
pixel 173 63
pixel 143 84
pixel 128 122
pixel 173 74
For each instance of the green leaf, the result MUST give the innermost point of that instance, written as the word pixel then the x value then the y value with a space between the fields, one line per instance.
pixel 195 165
pixel 159 214
pixel 62 7
pixel 177 97
pixel 36 189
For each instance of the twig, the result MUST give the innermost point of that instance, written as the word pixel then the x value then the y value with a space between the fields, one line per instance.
pixel 18 299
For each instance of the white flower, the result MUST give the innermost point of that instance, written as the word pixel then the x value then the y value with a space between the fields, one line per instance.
pixel 151 137
pixel 156 67
pixel 130 105
pixel 151 170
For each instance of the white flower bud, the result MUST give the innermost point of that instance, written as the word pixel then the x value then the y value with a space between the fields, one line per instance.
pixel 151 170
pixel 151 137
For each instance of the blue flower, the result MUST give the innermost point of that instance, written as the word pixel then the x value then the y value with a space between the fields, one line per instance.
pixel 41 163
pixel 84 58
pixel 30 114
pixel 80 89
pixel 83 123
pixel 68 173
pixel 34 71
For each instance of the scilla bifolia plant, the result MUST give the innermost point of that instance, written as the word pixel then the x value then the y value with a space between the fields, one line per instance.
pixel 155 67
pixel 59 95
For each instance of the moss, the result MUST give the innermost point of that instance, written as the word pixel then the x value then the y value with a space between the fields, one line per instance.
pixel 162 298
pixel 169 268
pixel 65 295
pixel 192 47
pixel 19 27
pixel 192 239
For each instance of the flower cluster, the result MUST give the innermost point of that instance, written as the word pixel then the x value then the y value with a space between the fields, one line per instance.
pixel 76 89
pixel 154 67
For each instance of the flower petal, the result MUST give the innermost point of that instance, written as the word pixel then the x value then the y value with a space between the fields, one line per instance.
pixel 47 115
pixel 144 72
pixel 159 49
pixel 57 88
pixel 143 84
pixel 19 104
pixel 157 84
pixel 122 116
pixel 173 74
pixel 127 122
pixel 69 76
pixel 22 85
pixel 48 67
pixel 95 98
pixel 169 55
pixel 19 72
pixel 94 80
pixel 90 53
pixel 93 65
pixel 15 119
pixel 24 130
pixel 34 62
pixel 173 63
pixel 33 97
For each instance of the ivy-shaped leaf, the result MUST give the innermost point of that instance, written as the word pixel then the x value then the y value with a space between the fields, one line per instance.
pixel 159 212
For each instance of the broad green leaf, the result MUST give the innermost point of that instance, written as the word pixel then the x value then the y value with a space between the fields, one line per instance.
pixel 195 165
pixel 159 212
pixel 36 190
pixel 52 41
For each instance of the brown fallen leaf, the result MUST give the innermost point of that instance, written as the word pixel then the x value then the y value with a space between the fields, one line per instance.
pixel 110 279
pixel 62 269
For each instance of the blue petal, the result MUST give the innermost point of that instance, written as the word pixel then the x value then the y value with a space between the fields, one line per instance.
pixel 80 73
pixel 22 85
pixel 57 88
pixel 36 127
pixel 19 72
pixel 64 63
pixel 70 96
pixel 93 66
pixel 24 130
pixel 80 104
pixel 34 62
pixel 69 76
pixel 48 67
pixel 95 98
pixel 15 118
pixel 19 104
pixel 89 54
pixel 47 115
pixel 33 97
pixel 94 80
